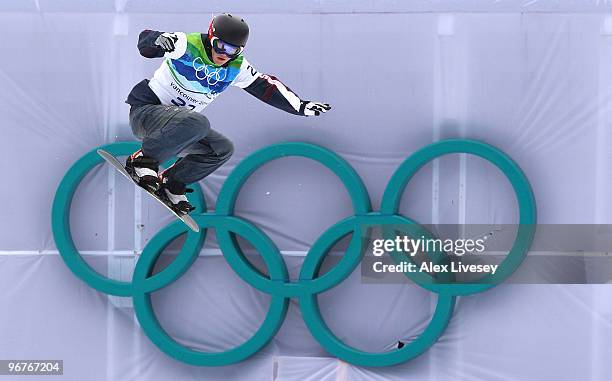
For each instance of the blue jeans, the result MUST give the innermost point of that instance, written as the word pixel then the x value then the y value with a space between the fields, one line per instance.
pixel 168 131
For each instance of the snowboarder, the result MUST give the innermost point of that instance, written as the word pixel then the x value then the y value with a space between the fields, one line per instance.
pixel 165 111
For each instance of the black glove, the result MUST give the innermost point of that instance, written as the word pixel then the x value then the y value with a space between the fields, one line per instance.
pixel 166 41
pixel 310 108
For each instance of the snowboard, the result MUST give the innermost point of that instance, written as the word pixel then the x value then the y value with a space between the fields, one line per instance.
pixel 110 159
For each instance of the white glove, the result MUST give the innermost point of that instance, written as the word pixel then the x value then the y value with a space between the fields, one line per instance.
pixel 166 41
pixel 310 108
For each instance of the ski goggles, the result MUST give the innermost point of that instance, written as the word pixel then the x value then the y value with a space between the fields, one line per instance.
pixel 222 47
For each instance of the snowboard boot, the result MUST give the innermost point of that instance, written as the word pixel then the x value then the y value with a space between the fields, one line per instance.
pixel 143 170
pixel 173 194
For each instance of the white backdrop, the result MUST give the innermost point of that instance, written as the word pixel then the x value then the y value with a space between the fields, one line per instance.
pixel 532 78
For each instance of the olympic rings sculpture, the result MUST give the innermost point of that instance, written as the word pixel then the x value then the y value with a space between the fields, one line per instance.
pixel 278 284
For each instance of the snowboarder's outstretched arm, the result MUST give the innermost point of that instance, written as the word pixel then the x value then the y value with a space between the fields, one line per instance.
pixel 270 90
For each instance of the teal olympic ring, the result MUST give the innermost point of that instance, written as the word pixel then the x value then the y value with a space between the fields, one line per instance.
pixel 277 282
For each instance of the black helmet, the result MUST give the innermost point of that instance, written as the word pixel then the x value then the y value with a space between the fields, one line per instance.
pixel 229 28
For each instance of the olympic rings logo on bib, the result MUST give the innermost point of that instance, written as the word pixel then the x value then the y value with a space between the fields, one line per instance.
pixel 278 284
pixel 211 75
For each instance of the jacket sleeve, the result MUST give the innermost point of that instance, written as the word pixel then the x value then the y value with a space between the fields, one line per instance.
pixel 270 90
pixel 146 44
